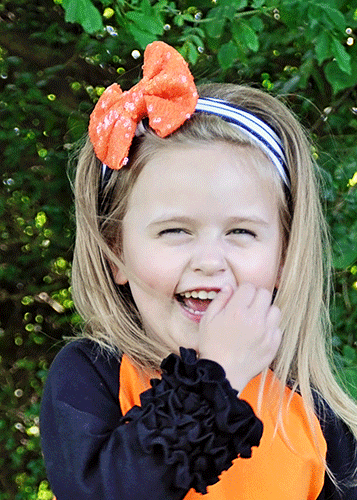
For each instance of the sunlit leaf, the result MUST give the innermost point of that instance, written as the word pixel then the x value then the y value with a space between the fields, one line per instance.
pixel 322 47
pixel 343 59
pixel 84 13
pixel 338 79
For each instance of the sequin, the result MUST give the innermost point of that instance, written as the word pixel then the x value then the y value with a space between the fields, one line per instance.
pixel 129 106
pixel 166 95
pixel 107 122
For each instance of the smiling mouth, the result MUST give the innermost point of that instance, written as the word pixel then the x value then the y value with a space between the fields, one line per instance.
pixel 196 301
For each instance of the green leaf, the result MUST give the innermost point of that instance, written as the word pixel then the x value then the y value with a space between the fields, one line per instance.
pixel 343 59
pixel 338 79
pixel 227 55
pixel 244 3
pixel 314 15
pixel 84 13
pixel 192 53
pixel 336 17
pixel 322 47
pixel 142 37
pixel 187 17
pixel 179 21
pixel 198 41
pixel 349 355
pixel 292 12
pixel 146 23
pixel 244 36
pixel 345 254
pixel 234 4
pixel 256 4
pixel 349 377
pixel 217 20
pixel 146 8
pixel 250 38
pixel 256 23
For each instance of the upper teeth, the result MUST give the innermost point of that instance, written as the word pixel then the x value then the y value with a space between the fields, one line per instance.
pixel 199 294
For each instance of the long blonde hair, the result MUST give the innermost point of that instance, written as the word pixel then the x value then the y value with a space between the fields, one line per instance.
pixel 111 317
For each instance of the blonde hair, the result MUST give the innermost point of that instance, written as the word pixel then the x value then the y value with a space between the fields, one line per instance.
pixel 112 319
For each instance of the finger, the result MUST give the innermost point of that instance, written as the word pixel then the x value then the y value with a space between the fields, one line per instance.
pixel 245 294
pixel 275 341
pixel 219 302
pixel 261 302
pixel 274 333
pixel 273 317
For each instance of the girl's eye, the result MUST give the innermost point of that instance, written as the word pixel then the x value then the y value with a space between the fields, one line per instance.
pixel 173 230
pixel 240 231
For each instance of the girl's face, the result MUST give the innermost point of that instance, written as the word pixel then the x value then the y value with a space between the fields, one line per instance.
pixel 199 217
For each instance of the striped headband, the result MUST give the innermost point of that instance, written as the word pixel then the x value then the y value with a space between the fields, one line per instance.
pixel 255 128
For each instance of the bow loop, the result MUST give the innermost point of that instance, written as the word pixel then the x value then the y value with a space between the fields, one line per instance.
pixel 166 95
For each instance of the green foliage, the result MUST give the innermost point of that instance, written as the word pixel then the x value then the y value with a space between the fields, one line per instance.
pixel 348 362
pixel 84 13
pixel 56 58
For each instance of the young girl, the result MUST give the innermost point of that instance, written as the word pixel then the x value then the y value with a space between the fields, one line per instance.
pixel 200 269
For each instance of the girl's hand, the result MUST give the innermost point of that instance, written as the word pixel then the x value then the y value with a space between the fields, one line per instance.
pixel 240 331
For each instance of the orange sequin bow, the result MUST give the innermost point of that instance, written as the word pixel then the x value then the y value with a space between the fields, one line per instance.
pixel 166 94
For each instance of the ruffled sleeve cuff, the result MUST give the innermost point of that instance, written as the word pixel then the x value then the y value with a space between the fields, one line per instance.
pixel 193 419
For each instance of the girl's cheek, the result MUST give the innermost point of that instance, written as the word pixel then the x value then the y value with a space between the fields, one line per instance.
pixel 158 272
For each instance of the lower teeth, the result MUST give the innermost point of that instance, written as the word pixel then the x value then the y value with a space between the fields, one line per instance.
pixel 197 313
pixel 192 311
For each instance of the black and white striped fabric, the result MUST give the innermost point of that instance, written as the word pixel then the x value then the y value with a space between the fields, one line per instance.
pixel 255 128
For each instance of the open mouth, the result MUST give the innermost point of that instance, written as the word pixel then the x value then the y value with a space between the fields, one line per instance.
pixel 196 301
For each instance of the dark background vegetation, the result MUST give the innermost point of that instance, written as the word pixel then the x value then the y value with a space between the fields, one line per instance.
pixel 56 57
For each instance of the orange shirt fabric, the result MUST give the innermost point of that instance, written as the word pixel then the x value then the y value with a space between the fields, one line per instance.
pixel 282 466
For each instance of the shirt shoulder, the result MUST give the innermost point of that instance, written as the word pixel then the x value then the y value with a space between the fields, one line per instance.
pixel 83 373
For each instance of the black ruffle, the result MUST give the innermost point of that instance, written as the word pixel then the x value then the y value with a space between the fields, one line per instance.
pixel 194 420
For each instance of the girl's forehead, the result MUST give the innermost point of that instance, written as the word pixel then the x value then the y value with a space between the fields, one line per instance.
pixel 218 162
pixel 215 176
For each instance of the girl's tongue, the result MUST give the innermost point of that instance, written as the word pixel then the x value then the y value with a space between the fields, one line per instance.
pixel 197 304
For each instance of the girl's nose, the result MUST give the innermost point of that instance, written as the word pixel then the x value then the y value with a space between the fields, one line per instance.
pixel 209 260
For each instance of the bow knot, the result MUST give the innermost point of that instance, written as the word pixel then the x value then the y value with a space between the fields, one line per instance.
pixel 166 94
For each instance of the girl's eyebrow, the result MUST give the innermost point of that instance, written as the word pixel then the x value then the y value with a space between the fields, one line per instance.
pixel 250 218
pixel 230 221
pixel 171 218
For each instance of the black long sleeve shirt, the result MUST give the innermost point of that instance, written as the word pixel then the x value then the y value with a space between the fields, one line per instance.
pixel 90 454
